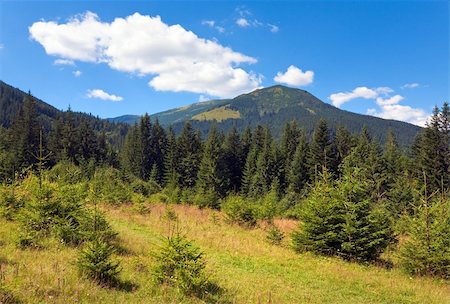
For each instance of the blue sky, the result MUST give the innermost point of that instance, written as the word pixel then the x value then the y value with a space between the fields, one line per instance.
pixel 108 58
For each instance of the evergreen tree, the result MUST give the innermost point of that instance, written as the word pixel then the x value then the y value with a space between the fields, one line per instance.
pixel 130 160
pixel 344 144
pixel 25 134
pixel 171 158
pixel 322 151
pixel 158 147
pixel 431 151
pixel 427 248
pixel 249 170
pixel 298 175
pixel 339 219
pixel 233 160
pixel 211 172
pixel 264 172
pixel 146 154
pixel 365 162
pixel 189 144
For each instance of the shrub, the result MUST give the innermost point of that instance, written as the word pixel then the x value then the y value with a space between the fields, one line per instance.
pixel 10 203
pixel 109 187
pixel 238 210
pixel 95 262
pixel 427 249
pixel 268 206
pixel 181 264
pixel 207 198
pixel 65 172
pixel 170 214
pixel 59 212
pixel 274 236
pixel 145 188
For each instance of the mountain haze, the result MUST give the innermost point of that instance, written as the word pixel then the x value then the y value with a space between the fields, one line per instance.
pixel 275 106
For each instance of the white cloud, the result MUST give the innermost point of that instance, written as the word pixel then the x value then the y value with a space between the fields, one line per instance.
pixel 178 59
pixel 2 46
pixel 295 77
pixel 400 112
pixel 242 22
pixel 77 73
pixel 100 94
pixel 210 23
pixel 338 99
pixel 410 85
pixel 389 101
pixel 273 28
pixel 202 98
pixel 64 62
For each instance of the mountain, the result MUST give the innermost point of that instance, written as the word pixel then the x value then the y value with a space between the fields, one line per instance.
pixel 11 100
pixel 275 106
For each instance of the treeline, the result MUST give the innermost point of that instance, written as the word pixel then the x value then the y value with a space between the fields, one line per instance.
pixel 352 195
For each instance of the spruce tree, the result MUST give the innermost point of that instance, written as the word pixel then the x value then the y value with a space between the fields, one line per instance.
pixel 431 151
pixel 171 158
pixel 210 175
pixel 146 153
pixel 158 148
pixel 233 160
pixel 189 144
pixel 322 151
pixel 298 174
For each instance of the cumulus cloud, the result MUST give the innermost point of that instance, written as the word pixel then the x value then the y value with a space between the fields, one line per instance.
pixel 389 106
pixel 391 109
pixel 100 94
pixel 410 85
pixel 64 62
pixel 242 22
pixel 338 99
pixel 177 59
pixel 295 77
pixel 76 73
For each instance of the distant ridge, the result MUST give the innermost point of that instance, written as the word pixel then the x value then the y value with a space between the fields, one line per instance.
pixel 275 106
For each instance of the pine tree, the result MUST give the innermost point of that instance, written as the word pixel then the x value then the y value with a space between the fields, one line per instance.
pixel 25 134
pixel 210 175
pixel 158 147
pixel 189 144
pixel 339 219
pixel 171 158
pixel 264 170
pixel 233 160
pixel 249 171
pixel 322 151
pixel 344 144
pixel 365 162
pixel 146 153
pixel 427 250
pixel 431 151
pixel 298 174
pixel 130 160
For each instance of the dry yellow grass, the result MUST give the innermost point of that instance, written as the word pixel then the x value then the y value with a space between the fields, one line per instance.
pixel 240 260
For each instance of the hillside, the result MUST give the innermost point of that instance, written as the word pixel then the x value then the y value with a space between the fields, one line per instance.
pixel 245 265
pixel 11 99
pixel 275 106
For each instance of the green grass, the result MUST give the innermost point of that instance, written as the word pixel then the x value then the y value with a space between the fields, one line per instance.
pixel 218 114
pixel 239 260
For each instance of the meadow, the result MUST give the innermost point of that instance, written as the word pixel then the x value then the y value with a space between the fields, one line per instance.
pixel 239 260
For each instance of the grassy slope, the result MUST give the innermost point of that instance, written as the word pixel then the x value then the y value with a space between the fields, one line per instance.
pixel 243 263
